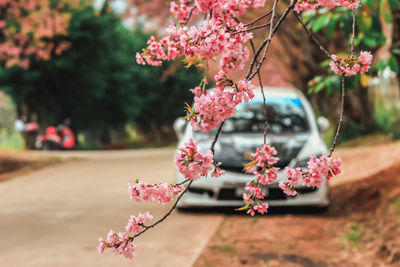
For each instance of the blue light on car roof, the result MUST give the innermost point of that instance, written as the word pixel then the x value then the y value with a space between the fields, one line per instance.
pixel 277 101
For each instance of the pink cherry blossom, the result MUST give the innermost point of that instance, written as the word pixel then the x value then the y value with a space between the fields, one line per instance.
pixel 193 163
pixel 329 4
pixel 211 108
pixel 352 65
pixel 287 188
pixel 213 38
pixel 261 165
pixel 161 193
pixel 121 244
pixel 318 169
pixel 135 224
pixel 350 4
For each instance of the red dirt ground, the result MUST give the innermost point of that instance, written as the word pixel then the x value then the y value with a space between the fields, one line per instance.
pixel 17 163
pixel 362 227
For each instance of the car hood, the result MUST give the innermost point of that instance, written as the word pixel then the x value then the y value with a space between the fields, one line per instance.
pixel 231 149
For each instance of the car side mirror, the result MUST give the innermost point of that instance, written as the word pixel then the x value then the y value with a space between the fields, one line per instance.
pixel 179 126
pixel 323 123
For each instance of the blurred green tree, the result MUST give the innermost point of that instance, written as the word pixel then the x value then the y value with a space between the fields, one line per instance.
pixel 97 82
pixel 373 32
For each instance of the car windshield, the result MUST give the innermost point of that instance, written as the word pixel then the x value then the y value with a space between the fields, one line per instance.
pixel 285 115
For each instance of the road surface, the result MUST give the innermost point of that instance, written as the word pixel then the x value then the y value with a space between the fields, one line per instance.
pixel 54 216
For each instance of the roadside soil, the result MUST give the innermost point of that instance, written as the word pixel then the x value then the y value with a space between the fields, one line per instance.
pixel 361 228
pixel 14 163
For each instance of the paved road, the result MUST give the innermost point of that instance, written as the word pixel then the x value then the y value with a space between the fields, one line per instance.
pixel 54 216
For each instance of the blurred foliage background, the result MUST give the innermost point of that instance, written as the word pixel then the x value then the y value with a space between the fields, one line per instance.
pixel 115 103
pixel 373 102
pixel 98 84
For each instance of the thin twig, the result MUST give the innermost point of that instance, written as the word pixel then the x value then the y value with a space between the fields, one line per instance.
pixel 353 33
pixel 339 126
pixel 323 49
pixel 253 28
pixel 269 39
pixel 263 95
pixel 258 19
pixel 216 137
pixel 251 75
pixel 190 15
pixel 182 183
pixel 316 41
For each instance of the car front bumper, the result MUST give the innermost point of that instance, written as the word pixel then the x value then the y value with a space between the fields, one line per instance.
pixel 227 190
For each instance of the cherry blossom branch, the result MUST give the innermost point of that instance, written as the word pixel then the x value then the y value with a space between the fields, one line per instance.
pixel 190 15
pixel 211 110
pixel 263 95
pixel 270 32
pixel 166 215
pixel 216 137
pixel 182 183
pixel 343 87
pixel 339 126
pixel 324 50
pixel 258 19
pixel 353 32
pixel 315 39
pixel 253 28
pixel 250 75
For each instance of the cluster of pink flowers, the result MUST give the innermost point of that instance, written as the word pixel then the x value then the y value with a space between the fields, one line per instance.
pixel 194 164
pixel 208 41
pixel 119 242
pixel 287 188
pixel 122 243
pixel 209 109
pixel 261 165
pixel 312 4
pixel 135 224
pixel 234 59
pixel 352 65
pixel 224 9
pixel 161 193
pixel 182 10
pixel 318 169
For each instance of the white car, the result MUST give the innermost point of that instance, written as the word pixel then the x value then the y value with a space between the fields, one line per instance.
pixel 292 130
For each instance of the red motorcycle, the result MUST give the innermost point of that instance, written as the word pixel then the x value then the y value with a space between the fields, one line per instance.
pixel 52 138
pixel 60 137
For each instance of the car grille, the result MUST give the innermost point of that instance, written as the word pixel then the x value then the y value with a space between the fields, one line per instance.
pixel 229 194
pixel 201 191
pixel 306 190
pixel 280 164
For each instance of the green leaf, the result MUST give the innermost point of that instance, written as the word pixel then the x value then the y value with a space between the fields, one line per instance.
pixel 393 64
pixel 244 207
pixel 332 26
pixel 320 23
pixel 381 65
pixel 319 87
